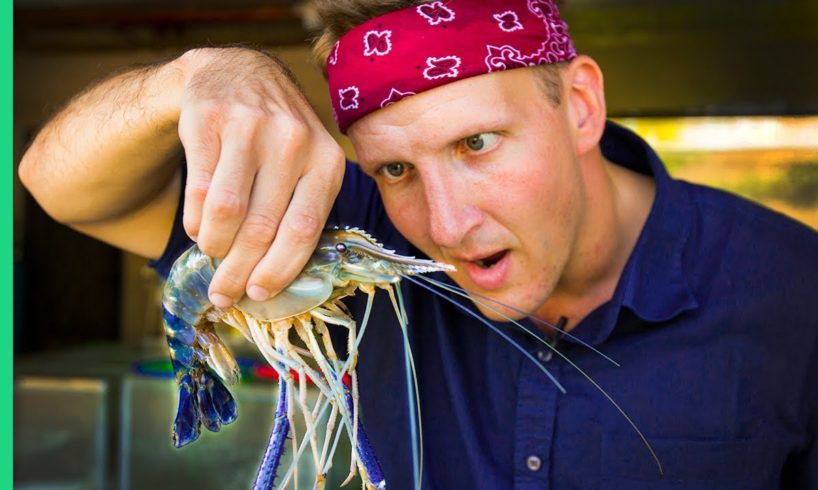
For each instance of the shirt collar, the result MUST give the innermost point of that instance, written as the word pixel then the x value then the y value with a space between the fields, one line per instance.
pixel 654 284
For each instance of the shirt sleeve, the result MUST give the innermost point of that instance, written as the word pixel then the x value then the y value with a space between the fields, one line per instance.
pixel 178 241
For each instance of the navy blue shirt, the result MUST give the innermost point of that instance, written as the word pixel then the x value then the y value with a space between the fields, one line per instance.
pixel 714 324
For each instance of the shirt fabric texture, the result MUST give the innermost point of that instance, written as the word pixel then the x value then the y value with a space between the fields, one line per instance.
pixel 714 324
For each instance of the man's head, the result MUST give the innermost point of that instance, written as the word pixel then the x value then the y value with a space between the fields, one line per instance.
pixel 484 171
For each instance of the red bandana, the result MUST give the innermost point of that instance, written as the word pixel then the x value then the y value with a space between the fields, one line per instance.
pixel 419 48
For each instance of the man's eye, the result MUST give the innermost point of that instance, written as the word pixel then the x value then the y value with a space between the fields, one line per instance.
pixel 480 141
pixel 395 169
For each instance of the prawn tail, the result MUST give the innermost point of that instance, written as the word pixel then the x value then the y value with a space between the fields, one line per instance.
pixel 203 397
pixel 203 400
pixel 216 404
pixel 188 423
pixel 180 336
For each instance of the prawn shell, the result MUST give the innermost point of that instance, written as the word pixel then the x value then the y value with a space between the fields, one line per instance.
pixel 306 292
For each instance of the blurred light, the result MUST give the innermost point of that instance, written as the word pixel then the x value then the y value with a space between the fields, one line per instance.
pixel 726 133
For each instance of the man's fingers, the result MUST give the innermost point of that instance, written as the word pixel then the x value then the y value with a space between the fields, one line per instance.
pixel 202 148
pixel 267 205
pixel 297 235
pixel 227 199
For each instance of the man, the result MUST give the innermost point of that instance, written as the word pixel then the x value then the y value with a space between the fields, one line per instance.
pixel 486 137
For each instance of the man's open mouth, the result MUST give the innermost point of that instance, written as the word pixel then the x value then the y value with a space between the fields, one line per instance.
pixel 488 262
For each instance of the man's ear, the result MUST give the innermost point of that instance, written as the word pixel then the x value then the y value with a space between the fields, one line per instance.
pixel 585 95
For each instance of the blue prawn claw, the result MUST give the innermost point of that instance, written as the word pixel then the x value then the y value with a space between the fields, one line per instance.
pixel 372 474
pixel 265 478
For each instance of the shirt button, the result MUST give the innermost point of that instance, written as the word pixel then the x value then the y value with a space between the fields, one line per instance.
pixel 545 355
pixel 533 463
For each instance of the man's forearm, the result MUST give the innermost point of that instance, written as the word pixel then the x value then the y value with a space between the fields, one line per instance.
pixel 108 151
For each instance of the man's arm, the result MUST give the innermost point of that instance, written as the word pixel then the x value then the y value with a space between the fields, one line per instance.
pixel 262 170
pixel 107 155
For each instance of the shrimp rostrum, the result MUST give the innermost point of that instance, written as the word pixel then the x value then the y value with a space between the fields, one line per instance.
pixel 291 332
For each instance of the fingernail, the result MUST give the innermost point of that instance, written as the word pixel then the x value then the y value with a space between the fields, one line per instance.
pixel 221 300
pixel 258 293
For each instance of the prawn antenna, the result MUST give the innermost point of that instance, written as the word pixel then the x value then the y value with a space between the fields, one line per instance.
pixel 413 393
pixel 556 329
pixel 553 349
pixel 494 329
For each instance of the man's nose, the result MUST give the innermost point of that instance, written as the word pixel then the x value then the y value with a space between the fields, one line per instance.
pixel 452 210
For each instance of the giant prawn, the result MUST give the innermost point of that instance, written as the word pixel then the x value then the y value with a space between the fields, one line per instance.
pixel 345 261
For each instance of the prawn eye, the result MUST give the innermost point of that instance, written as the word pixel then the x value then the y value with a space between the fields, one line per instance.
pixel 341 248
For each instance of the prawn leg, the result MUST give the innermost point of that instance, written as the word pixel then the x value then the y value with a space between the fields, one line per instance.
pixel 344 261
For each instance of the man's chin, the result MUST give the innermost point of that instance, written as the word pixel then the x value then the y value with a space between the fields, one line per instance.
pixel 496 312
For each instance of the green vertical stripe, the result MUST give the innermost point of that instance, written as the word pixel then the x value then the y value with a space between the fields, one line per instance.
pixel 7 445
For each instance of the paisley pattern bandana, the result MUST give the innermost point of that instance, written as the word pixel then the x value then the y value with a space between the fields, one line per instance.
pixel 408 51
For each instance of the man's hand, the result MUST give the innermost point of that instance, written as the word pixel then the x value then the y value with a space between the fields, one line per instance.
pixel 262 170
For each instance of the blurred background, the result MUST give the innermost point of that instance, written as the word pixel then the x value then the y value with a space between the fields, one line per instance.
pixel 727 92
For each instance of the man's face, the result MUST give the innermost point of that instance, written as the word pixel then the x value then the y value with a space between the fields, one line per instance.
pixel 482 174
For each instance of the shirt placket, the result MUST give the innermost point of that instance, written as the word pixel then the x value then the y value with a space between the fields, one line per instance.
pixel 536 409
